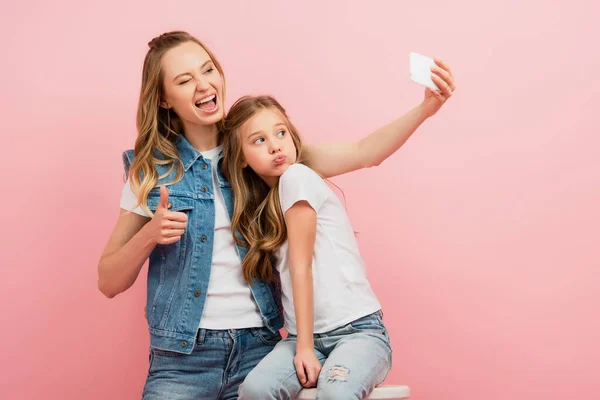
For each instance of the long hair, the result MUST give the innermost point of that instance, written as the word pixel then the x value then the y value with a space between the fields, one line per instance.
pixel 158 127
pixel 257 215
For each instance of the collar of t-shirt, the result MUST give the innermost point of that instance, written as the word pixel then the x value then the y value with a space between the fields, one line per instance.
pixel 212 154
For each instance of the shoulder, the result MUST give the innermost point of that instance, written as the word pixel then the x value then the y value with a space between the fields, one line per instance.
pixel 301 172
pixel 299 182
pixel 162 169
pixel 128 157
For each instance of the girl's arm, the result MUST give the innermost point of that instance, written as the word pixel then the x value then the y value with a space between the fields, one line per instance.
pixel 301 222
pixel 339 158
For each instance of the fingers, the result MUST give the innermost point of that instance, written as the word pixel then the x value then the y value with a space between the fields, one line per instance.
pixel 442 64
pixel 169 233
pixel 169 240
pixel 443 71
pixel 163 203
pixel 444 87
pixel 300 372
pixel 176 216
pixel 312 373
pixel 170 224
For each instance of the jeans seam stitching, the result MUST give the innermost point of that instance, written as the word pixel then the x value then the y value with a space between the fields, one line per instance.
pixel 376 369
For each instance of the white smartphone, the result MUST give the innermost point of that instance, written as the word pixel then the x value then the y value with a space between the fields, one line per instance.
pixel 420 70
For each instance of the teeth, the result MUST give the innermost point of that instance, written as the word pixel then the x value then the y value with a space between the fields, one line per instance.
pixel 206 100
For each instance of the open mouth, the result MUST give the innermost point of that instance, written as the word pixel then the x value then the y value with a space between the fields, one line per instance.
pixel 208 103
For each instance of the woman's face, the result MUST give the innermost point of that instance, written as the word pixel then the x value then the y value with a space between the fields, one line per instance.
pixel 193 87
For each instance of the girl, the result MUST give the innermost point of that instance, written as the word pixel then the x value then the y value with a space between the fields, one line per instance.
pixel 208 326
pixel 331 313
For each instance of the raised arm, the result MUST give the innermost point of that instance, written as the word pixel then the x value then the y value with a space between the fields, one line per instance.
pixel 339 158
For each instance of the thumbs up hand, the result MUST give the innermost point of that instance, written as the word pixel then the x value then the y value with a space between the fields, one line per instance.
pixel 166 226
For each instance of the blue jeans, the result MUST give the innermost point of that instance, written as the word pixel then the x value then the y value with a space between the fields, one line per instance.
pixel 355 359
pixel 218 365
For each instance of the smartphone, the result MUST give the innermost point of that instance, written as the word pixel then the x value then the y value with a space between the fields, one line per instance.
pixel 420 70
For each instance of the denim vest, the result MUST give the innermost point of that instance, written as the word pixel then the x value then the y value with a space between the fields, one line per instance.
pixel 178 273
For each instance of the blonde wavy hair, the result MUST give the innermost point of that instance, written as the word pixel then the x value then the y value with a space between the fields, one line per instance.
pixel 158 127
pixel 257 222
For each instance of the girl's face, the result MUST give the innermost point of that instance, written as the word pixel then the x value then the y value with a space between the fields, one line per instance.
pixel 267 145
pixel 193 87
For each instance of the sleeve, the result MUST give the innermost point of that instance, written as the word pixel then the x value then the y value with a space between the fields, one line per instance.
pixel 128 200
pixel 300 183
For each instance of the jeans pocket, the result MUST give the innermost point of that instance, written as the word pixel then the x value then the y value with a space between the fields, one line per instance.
pixel 370 323
pixel 164 353
pixel 163 361
pixel 267 337
pixel 150 359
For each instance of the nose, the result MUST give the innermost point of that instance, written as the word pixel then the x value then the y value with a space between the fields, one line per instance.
pixel 201 84
pixel 274 147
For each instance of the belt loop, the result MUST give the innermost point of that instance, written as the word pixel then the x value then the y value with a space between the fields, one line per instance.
pixel 200 336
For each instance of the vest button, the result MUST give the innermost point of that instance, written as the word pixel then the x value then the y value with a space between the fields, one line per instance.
pixel 184 344
pixel 197 293
pixel 203 238
pixel 204 166
pixel 204 189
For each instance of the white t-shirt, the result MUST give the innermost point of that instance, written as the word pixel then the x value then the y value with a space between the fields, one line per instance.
pixel 229 302
pixel 341 290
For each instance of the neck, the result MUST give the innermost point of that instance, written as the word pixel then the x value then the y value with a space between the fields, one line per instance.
pixel 269 180
pixel 202 137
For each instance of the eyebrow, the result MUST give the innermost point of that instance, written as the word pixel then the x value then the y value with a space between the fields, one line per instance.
pixel 187 73
pixel 257 132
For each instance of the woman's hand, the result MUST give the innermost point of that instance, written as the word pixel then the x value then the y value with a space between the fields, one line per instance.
pixel 166 226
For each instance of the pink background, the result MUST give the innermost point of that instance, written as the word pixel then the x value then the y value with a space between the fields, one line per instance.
pixel 481 235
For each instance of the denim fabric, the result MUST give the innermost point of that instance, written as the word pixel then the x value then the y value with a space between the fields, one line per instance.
pixel 213 371
pixel 355 358
pixel 178 273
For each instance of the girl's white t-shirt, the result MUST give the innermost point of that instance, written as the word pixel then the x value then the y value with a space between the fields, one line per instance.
pixel 341 290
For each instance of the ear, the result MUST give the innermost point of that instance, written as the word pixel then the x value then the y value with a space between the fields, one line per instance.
pixel 244 164
pixel 164 104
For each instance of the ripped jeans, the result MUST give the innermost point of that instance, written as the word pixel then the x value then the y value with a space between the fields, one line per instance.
pixel 355 358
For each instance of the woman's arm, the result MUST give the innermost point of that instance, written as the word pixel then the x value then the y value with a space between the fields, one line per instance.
pixel 131 242
pixel 301 222
pixel 339 158
pixel 128 248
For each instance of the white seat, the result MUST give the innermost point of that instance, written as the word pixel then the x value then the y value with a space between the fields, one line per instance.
pixel 387 392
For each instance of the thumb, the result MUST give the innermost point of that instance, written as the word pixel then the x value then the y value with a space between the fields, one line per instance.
pixel 164 197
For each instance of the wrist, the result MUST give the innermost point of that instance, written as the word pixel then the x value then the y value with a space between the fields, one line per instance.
pixel 147 238
pixel 304 345
pixel 304 350
pixel 423 111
